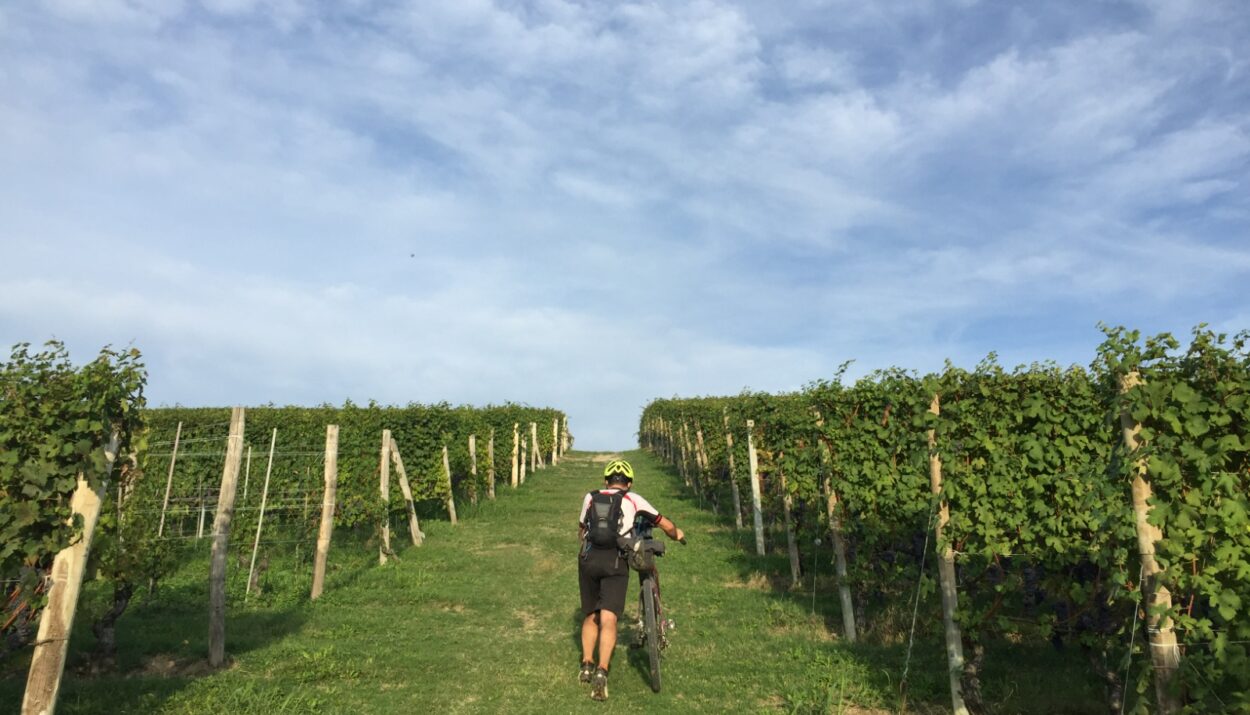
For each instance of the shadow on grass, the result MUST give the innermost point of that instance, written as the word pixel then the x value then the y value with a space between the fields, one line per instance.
pixel 627 636
pixel 162 639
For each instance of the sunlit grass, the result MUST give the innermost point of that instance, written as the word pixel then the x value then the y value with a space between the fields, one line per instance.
pixel 483 618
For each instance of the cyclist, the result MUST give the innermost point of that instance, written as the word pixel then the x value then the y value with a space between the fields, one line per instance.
pixel 609 517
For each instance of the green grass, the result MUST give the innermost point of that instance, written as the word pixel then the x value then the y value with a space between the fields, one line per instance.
pixel 484 618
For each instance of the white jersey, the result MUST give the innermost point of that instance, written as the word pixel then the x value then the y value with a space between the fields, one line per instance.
pixel 633 507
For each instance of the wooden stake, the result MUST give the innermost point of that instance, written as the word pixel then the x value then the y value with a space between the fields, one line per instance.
pixel 47 664
pixel 666 442
pixel 684 467
pixel 700 454
pixel 692 454
pixel 451 497
pixel 327 511
pixel 535 453
pixel 1165 656
pixel 792 547
pixel 758 511
pixel 564 437
pixel 473 469
pixel 260 520
pixel 946 576
pixel 555 441
pixel 700 448
pixel 169 481
pixel 516 440
pixel 490 469
pixel 524 460
pixel 733 481
pixel 850 632
pixel 384 487
pixel 221 541
pixel 247 472
pixel 414 528
pixel 199 532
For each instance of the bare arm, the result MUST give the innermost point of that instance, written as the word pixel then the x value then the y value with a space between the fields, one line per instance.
pixel 670 529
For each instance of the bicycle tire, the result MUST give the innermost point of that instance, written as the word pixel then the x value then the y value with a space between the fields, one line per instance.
pixel 650 607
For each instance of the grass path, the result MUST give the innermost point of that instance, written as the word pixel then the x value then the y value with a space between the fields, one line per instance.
pixel 484 618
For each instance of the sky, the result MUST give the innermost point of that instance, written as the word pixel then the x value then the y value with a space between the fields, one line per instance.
pixel 588 205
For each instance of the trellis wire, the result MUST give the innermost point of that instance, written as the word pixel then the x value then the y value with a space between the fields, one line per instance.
pixel 911 637
pixel 1128 659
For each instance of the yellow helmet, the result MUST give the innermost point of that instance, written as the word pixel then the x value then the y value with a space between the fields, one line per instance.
pixel 618 466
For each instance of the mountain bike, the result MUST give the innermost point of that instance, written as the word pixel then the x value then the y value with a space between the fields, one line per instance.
pixel 654 626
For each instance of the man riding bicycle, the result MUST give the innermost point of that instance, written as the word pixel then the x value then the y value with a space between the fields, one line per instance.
pixel 610 517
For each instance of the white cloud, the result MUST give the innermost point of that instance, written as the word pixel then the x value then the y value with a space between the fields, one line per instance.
pixel 474 200
pixel 807 67
pixel 148 14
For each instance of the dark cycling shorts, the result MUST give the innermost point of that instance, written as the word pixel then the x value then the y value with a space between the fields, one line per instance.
pixel 603 576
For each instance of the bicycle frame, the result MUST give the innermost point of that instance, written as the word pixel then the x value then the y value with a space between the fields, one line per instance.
pixel 650 611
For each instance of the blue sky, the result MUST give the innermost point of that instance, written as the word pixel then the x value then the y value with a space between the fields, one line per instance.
pixel 590 204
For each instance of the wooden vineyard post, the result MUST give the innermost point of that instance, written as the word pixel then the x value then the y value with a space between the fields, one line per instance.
pixel 247 472
pixel 850 631
pixel 700 448
pixel 733 481
pixel 384 489
pixel 946 575
pixel 564 436
pixel 524 460
pixel 792 547
pixel 221 541
pixel 473 469
pixel 43 682
pixel 700 454
pixel 689 454
pixel 555 441
pixel 756 507
pixel 684 468
pixel 169 481
pixel 327 511
pixel 260 520
pixel 451 497
pixel 535 453
pixel 490 468
pixel 1165 656
pixel 414 527
pixel 199 531
pixel 694 449
pixel 516 439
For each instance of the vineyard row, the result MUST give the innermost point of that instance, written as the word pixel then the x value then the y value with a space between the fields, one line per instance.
pixel 1105 507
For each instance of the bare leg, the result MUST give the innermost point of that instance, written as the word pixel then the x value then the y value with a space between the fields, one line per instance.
pixel 607 637
pixel 590 631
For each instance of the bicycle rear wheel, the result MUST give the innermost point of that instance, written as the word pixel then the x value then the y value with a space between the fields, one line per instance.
pixel 651 608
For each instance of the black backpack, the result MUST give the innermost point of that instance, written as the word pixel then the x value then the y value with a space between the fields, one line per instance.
pixel 603 519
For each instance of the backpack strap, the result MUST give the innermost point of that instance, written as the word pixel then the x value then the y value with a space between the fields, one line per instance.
pixel 590 506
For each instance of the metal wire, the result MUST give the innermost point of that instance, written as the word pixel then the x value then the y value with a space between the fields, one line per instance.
pixel 1128 659
pixel 911 637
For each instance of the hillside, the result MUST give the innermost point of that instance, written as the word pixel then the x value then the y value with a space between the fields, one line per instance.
pixel 483 618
